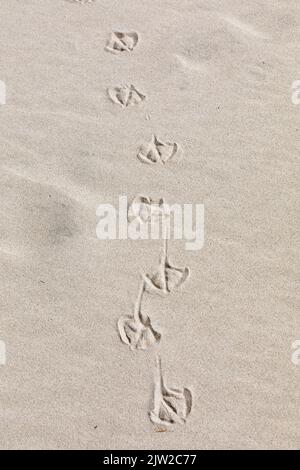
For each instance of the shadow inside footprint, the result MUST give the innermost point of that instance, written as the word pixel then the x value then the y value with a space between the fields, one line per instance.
pixel 122 42
pixel 170 406
pixel 125 96
pixel 156 151
pixel 136 331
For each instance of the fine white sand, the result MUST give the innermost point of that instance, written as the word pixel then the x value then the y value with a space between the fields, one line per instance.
pixel 217 76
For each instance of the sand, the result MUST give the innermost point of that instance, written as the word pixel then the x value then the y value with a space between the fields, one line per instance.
pixel 216 76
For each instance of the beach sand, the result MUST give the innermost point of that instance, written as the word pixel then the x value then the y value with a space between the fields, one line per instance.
pixel 217 79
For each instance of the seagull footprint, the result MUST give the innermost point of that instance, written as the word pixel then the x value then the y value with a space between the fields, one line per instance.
pixel 167 277
pixel 122 42
pixel 136 331
pixel 170 406
pixel 145 209
pixel 126 95
pixel 157 151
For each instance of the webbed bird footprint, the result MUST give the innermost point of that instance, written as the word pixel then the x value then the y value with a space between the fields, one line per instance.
pixel 136 331
pixel 126 95
pixel 170 406
pixel 122 42
pixel 157 151
pixel 167 277
pixel 145 209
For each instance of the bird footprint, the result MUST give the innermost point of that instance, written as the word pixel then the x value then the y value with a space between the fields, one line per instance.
pixel 167 277
pixel 136 330
pixel 170 406
pixel 122 42
pixel 126 95
pixel 145 209
pixel 156 151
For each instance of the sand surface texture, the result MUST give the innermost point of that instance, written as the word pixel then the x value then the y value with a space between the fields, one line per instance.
pixel 88 86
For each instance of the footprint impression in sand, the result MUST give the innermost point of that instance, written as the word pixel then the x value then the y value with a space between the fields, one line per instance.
pixel 126 95
pixel 170 406
pixel 145 209
pixel 122 42
pixel 167 277
pixel 157 151
pixel 136 331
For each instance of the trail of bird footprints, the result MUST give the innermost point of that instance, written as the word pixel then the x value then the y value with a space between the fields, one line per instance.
pixel 169 406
